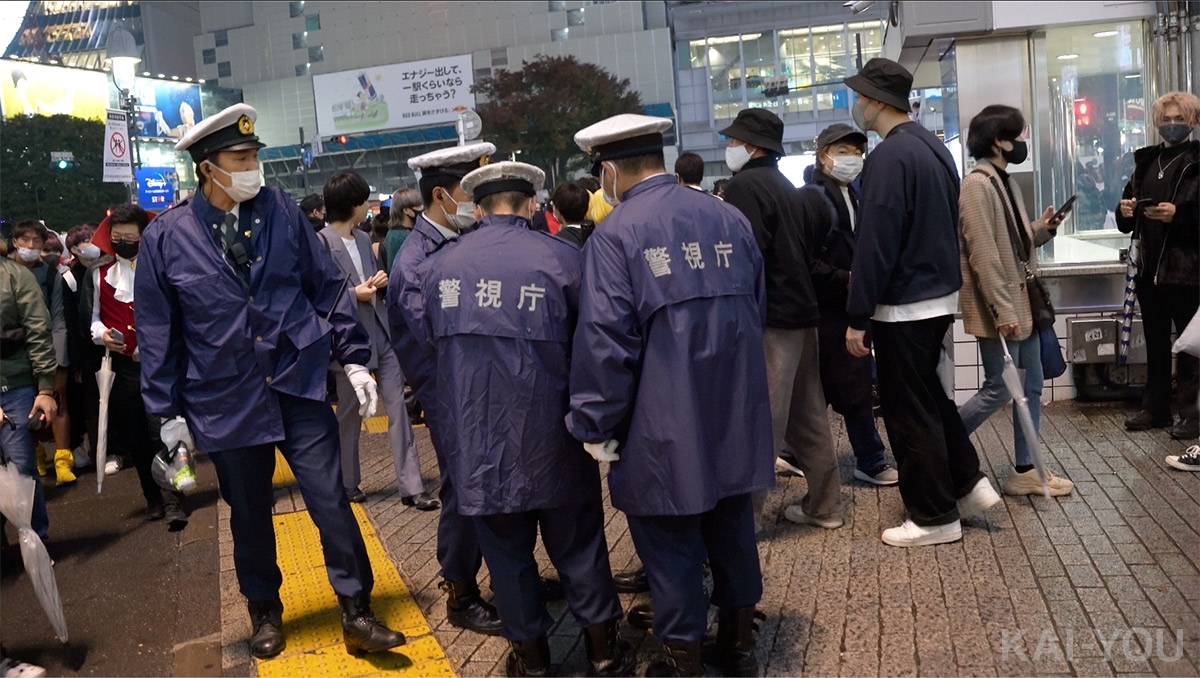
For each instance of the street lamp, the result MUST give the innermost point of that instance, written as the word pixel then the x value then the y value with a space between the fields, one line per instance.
pixel 123 52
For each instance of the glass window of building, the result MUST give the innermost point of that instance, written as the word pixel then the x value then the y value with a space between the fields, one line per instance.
pixel 302 69
pixel 557 34
pixel 575 17
pixel 758 53
pixel 1097 117
pixel 557 6
pixel 223 69
pixel 830 63
pixel 316 53
pixel 312 22
pixel 724 56
pixel 295 9
pixel 209 56
pixel 220 38
pixel 299 40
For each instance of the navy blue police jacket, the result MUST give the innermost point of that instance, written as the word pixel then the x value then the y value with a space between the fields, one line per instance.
pixel 500 306
pixel 216 348
pixel 667 357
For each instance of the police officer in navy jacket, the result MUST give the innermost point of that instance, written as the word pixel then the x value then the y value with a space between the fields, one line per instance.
pixel 236 304
pixel 668 383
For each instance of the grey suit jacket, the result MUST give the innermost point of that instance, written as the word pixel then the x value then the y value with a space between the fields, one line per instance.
pixel 371 313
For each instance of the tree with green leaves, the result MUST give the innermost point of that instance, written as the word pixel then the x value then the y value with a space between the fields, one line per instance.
pixel 36 188
pixel 537 110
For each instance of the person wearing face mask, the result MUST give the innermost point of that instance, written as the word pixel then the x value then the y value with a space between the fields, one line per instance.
pixel 784 224
pixel 28 238
pixel 904 286
pixel 82 394
pixel 504 346
pixel 1159 206
pixel 845 379
pixel 448 212
pixel 669 386
pixel 402 217
pixel 995 304
pixel 133 436
pixel 238 307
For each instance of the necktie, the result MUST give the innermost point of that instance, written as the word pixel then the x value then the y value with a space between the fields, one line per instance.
pixel 229 232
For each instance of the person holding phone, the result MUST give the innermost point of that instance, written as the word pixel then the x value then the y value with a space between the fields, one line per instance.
pixel 995 303
pixel 1159 207
pixel 132 436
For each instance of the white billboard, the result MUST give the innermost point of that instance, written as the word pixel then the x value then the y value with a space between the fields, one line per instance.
pixel 394 96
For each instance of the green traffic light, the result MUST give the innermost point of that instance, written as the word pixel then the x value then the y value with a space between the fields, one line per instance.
pixel 63 164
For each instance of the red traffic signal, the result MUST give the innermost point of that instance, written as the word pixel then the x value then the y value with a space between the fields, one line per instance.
pixel 1083 113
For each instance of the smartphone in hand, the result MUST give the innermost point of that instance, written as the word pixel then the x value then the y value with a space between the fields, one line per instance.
pixel 1062 211
pixel 116 334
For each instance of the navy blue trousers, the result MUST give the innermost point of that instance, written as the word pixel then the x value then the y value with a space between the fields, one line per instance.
pixel 311 449
pixel 457 544
pixel 674 549
pixel 574 540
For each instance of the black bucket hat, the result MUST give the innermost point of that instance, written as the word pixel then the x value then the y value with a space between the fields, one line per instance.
pixel 883 80
pixel 757 127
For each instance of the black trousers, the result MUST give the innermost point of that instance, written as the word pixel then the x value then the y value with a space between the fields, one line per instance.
pixel 674 549
pixel 1163 305
pixel 458 551
pixel 131 433
pixel 574 540
pixel 934 455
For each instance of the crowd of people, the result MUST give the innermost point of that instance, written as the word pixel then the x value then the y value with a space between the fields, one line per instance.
pixel 691 343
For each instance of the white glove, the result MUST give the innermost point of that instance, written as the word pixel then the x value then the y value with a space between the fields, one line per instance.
pixel 175 431
pixel 364 387
pixel 603 451
pixel 98 330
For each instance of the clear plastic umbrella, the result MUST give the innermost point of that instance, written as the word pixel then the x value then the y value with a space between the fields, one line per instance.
pixel 16 503
pixel 104 379
pixel 1015 383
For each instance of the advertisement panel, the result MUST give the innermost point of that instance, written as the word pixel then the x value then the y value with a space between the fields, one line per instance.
pixel 34 89
pixel 156 187
pixel 166 109
pixel 411 94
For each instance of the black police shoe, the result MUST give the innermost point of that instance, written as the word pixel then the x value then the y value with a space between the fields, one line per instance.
pixel 361 631
pixel 683 659
pixel 528 657
pixel 1146 420
pixel 607 653
pixel 552 589
pixel 641 616
pixel 634 581
pixel 735 641
pixel 467 610
pixel 1187 429
pixel 266 620
pixel 424 501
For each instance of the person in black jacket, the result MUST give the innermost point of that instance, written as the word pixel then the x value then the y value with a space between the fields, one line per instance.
pixel 783 225
pixel 845 378
pixel 1159 206
pixel 904 286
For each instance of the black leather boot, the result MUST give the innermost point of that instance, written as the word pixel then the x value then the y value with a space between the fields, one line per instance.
pixel 735 641
pixel 634 581
pixel 176 514
pixel 266 622
pixel 641 616
pixel 467 610
pixel 361 631
pixel 608 654
pixel 528 657
pixel 683 659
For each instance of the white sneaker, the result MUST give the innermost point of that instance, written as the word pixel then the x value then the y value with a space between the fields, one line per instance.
pixel 1028 483
pixel 112 466
pixel 80 454
pixel 15 668
pixel 797 515
pixel 909 533
pixel 884 475
pixel 981 497
pixel 785 467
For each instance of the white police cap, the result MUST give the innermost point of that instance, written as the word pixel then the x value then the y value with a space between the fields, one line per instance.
pixel 502 177
pixel 622 136
pixel 230 130
pixel 455 160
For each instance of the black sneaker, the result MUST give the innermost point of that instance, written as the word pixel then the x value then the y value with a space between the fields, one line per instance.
pixel 1188 428
pixel 1146 420
pixel 1188 461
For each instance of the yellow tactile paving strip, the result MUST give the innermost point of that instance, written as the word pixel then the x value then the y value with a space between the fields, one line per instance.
pixel 311 618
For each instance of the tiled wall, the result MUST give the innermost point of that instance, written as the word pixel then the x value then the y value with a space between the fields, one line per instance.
pixel 968 371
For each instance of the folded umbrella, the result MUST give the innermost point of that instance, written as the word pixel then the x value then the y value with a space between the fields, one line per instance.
pixel 1015 383
pixel 1130 301
pixel 16 503
pixel 104 379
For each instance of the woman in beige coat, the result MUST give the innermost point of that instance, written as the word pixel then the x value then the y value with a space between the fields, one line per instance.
pixel 995 303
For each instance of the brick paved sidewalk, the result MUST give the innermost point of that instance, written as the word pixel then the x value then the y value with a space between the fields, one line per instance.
pixel 1104 581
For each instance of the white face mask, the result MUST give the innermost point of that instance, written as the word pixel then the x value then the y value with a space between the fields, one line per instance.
pixel 736 157
pixel 89 252
pixel 611 198
pixel 846 168
pixel 242 185
pixel 463 216
pixel 28 254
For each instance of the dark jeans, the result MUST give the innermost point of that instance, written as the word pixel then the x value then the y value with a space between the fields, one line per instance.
pixel 131 433
pixel 934 455
pixel 310 447
pixel 1163 305
pixel 846 381
pixel 574 540
pixel 674 549
pixel 17 448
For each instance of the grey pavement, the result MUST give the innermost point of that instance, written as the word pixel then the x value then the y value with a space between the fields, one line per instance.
pixel 1101 582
